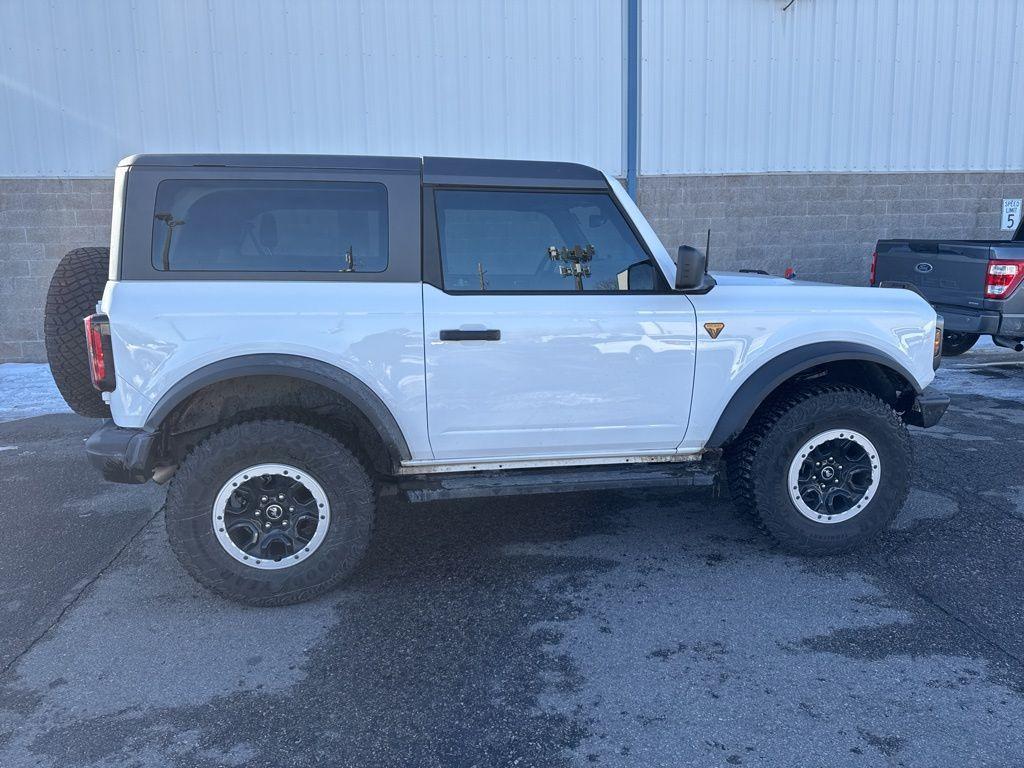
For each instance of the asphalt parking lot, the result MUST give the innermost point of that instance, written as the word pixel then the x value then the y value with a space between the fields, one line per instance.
pixel 628 628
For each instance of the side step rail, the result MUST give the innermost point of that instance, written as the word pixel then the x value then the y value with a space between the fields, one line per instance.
pixel 470 485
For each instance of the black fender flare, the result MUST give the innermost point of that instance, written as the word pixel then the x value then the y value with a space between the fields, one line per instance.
pixel 766 379
pixel 291 366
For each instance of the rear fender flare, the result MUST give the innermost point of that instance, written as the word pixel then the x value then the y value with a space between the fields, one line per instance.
pixel 292 366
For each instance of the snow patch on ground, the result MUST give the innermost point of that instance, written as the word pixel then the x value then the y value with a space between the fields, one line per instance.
pixel 27 389
pixel 985 344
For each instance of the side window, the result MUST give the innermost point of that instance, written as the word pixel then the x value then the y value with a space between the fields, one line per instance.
pixel 270 226
pixel 538 241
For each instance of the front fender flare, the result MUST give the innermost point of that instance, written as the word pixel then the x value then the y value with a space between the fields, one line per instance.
pixel 766 379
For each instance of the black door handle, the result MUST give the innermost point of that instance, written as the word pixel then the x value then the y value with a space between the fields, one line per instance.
pixel 459 335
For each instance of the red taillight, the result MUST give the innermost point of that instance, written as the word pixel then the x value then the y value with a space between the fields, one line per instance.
pixel 101 358
pixel 1002 278
pixel 874 266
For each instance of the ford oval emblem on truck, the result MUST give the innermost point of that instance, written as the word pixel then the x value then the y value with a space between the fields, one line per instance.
pixel 924 268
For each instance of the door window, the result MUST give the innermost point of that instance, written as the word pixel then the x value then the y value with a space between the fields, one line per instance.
pixel 562 242
pixel 270 226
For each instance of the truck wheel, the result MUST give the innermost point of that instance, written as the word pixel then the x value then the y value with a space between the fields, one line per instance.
pixel 954 343
pixel 270 512
pixel 76 286
pixel 824 467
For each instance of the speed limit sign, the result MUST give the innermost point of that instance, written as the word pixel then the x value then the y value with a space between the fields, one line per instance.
pixel 1011 213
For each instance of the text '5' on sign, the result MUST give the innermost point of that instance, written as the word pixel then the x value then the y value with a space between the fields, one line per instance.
pixel 1011 213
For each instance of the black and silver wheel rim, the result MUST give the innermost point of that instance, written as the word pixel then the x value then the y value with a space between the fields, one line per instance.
pixel 271 516
pixel 834 476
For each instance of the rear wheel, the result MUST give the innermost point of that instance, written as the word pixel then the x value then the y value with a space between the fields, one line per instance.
pixel 270 512
pixel 76 286
pixel 823 467
pixel 955 343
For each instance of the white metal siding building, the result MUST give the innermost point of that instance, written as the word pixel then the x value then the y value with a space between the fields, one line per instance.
pixel 89 83
pixel 798 132
pixel 728 86
pixel 848 85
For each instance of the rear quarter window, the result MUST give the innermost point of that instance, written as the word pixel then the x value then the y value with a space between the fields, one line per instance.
pixel 270 226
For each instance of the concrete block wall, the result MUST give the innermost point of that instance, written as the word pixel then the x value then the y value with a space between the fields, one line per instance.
pixel 824 225
pixel 40 221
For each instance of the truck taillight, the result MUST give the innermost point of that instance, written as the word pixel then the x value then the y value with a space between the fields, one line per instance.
pixel 1002 278
pixel 101 355
pixel 874 266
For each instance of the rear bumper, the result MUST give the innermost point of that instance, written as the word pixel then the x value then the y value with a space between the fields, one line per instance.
pixel 1012 327
pixel 122 455
pixel 981 321
pixel 927 408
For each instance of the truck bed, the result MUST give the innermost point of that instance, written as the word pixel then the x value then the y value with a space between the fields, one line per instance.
pixel 950 272
pixel 950 275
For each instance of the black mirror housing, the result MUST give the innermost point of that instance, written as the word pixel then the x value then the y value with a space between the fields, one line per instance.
pixel 692 271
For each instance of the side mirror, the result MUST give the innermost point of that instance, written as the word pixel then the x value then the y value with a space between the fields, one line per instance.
pixel 691 271
pixel 636 277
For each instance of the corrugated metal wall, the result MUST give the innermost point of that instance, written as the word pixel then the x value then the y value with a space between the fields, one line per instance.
pixel 738 86
pixel 84 83
pixel 728 86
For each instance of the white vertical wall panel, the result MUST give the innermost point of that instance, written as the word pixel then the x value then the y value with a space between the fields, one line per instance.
pixel 728 86
pixel 84 83
pixel 740 86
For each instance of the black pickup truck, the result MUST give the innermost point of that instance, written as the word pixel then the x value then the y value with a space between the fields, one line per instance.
pixel 973 284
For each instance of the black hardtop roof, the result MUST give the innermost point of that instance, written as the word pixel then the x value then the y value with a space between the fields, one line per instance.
pixel 347 162
pixel 464 170
pixel 435 170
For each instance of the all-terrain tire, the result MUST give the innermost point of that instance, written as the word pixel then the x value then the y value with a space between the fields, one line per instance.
pixel 211 464
pixel 76 286
pixel 759 460
pixel 955 344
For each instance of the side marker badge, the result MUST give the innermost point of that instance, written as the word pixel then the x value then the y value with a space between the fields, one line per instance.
pixel 714 329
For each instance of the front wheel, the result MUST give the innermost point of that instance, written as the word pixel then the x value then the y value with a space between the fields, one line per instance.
pixel 955 343
pixel 270 512
pixel 824 467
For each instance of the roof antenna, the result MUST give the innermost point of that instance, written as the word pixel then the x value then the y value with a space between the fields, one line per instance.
pixel 707 250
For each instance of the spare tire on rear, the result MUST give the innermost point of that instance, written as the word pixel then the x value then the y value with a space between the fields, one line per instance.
pixel 76 286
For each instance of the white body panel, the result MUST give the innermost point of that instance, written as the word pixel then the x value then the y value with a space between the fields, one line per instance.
pixel 572 375
pixel 766 317
pixel 164 330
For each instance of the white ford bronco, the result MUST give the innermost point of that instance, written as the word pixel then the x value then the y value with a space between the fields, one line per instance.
pixel 283 338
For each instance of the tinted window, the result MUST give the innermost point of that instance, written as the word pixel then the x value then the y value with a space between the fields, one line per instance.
pixel 270 226
pixel 538 241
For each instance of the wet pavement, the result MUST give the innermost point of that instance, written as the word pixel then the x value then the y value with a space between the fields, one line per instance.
pixel 617 629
